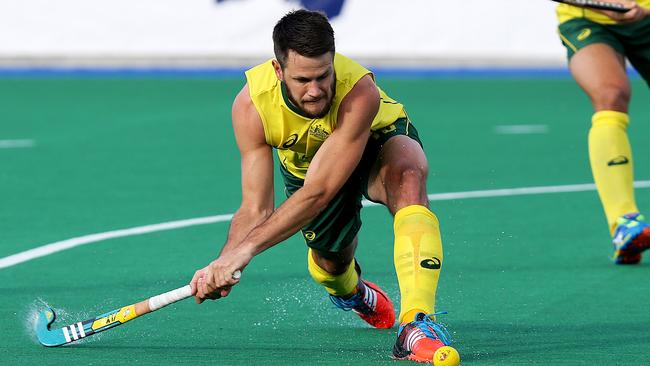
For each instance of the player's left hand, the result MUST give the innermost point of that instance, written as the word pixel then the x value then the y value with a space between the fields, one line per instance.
pixel 635 13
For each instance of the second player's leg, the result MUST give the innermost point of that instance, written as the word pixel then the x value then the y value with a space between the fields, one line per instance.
pixel 600 71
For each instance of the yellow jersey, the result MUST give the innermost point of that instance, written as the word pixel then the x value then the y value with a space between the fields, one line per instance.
pixel 297 138
pixel 567 12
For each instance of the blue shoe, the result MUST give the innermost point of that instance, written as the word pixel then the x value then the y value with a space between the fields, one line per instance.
pixel 419 339
pixel 631 238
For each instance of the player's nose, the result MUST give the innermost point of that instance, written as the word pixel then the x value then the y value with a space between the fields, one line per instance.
pixel 314 90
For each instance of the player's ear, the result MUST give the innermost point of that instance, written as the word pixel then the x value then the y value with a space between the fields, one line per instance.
pixel 278 69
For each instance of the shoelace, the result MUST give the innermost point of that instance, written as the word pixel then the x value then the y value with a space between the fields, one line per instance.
pixel 428 327
pixel 355 301
pixel 629 226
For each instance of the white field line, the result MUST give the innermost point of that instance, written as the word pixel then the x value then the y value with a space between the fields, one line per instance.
pixel 15 144
pixel 520 129
pixel 52 248
pixel 58 246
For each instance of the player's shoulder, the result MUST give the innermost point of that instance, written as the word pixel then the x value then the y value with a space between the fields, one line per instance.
pixel 261 78
pixel 243 107
pixel 243 98
pixel 348 69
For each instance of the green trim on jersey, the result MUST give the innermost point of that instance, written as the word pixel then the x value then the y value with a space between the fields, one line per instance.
pixel 288 102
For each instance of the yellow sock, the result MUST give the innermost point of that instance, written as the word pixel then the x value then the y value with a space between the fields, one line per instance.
pixel 611 164
pixel 342 285
pixel 418 259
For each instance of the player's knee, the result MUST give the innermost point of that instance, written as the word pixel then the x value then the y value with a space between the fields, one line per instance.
pixel 612 97
pixel 321 268
pixel 406 186
pixel 407 176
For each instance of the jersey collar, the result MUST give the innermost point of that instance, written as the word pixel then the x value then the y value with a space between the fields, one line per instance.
pixel 287 101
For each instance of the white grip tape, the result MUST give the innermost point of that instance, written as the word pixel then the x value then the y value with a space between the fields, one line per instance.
pixel 170 297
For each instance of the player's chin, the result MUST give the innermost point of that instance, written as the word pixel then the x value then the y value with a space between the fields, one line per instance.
pixel 315 109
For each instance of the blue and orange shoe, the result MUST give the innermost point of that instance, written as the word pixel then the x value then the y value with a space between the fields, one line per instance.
pixel 419 339
pixel 631 238
pixel 370 303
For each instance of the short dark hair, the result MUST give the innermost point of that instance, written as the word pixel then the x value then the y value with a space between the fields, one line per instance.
pixel 309 33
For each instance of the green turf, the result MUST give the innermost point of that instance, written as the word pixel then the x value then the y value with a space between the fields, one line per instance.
pixel 527 279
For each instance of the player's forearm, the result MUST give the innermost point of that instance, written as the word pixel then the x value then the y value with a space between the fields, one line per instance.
pixel 298 210
pixel 242 223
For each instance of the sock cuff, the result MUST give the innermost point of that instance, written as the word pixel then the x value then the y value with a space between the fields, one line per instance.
pixel 610 118
pixel 314 267
pixel 414 210
pixel 337 285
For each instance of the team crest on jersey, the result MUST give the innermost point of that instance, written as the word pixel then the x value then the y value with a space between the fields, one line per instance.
pixel 319 132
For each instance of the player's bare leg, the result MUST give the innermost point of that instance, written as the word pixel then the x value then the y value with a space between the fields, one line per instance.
pixel 398 180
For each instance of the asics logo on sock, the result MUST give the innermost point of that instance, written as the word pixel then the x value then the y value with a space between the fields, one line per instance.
pixel 619 160
pixel 431 263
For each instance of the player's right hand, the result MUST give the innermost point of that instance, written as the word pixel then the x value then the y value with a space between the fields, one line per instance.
pixel 200 290
pixel 635 13
pixel 217 279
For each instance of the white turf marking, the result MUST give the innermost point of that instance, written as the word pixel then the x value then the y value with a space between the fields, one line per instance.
pixel 52 248
pixel 520 129
pixel 92 238
pixel 14 144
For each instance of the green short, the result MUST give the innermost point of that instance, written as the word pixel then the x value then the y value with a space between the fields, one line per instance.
pixel 630 40
pixel 336 227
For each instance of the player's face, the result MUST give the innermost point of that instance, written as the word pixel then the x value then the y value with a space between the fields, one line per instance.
pixel 310 82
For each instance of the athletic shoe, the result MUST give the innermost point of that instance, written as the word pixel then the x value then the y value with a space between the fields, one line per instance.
pixel 370 303
pixel 419 339
pixel 631 238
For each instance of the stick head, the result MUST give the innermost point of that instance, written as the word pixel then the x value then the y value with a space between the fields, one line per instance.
pixel 47 337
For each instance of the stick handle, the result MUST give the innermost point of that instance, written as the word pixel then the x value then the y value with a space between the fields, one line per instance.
pixel 170 297
pixel 181 293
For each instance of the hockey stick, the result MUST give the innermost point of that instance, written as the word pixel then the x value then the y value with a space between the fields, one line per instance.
pixel 83 329
pixel 594 4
